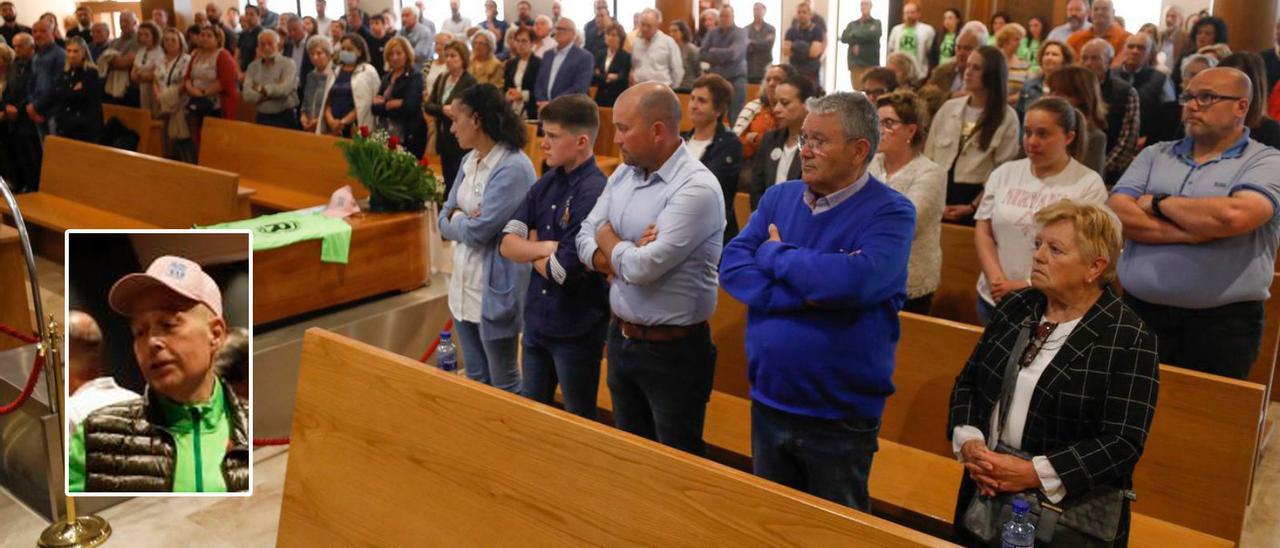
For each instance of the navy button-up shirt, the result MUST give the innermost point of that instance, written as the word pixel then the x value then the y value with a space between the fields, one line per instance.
pixel 572 300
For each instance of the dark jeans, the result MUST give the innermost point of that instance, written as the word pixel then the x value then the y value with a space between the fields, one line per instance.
pixel 285 119
pixel 1223 340
pixel 660 389
pixel 826 458
pixel 919 305
pixel 574 364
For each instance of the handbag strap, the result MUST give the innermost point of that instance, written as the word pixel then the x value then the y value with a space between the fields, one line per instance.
pixel 1010 381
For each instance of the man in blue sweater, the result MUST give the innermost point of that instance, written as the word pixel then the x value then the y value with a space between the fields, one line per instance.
pixel 822 267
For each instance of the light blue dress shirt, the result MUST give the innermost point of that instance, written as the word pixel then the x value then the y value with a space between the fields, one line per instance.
pixel 674 279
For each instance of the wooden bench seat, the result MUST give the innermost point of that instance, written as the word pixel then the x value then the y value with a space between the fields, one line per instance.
pixel 289 169
pixel 150 131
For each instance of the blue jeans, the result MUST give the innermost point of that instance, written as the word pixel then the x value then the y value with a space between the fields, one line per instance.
pixel 660 389
pixel 574 364
pixel 490 362
pixel 825 458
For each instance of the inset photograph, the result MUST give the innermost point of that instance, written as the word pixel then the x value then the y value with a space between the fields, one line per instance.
pixel 158 348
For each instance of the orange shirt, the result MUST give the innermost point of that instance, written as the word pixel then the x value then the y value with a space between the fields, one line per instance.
pixel 1115 36
pixel 762 123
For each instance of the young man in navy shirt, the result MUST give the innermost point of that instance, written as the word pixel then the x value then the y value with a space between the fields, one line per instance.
pixel 822 267
pixel 567 310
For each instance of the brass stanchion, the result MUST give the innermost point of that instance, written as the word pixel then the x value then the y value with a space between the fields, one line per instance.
pixel 73 531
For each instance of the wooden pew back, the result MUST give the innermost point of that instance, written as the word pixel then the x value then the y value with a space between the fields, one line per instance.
pixel 686 123
pixel 150 131
pixel 161 192
pixel 1197 469
pixel 472 465
pixel 604 137
pixel 296 161
pixel 957 296
pixel 1264 367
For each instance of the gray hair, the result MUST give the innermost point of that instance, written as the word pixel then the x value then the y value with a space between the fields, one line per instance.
pixel 857 115
pixel 482 33
pixel 541 17
pixel 1209 61
pixel 712 12
pixel 414 10
pixel 656 14
pixel 975 28
pixel 320 41
pixel 1098 42
pixel 270 34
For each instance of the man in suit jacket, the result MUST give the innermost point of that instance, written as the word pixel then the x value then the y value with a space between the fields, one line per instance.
pixel 565 70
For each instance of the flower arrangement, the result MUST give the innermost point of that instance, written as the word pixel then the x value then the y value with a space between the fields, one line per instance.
pixel 396 180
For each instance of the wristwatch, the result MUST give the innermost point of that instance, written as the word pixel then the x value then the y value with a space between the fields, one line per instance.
pixel 1155 205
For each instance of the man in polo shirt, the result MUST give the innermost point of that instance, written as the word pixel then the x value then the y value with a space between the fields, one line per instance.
pixel 1201 226
pixel 658 229
pixel 567 309
pixel 188 433
pixel 805 42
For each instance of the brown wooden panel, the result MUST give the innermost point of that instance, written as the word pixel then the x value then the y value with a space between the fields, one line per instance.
pixel 409 454
pixel 15 294
pixel 604 137
pixel 151 190
pixel 957 295
pixel 728 331
pixel 930 354
pixel 307 164
pixel 388 253
pixel 1263 370
pixel 150 131
pixel 1252 23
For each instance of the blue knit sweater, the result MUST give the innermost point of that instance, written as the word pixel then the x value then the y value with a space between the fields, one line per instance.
pixel 822 319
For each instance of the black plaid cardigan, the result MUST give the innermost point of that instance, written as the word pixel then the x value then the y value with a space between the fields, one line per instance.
pixel 1093 405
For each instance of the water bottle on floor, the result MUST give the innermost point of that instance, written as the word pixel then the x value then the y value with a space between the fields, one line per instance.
pixel 1018 531
pixel 447 354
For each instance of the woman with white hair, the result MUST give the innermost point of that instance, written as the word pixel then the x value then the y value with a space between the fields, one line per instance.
pixel 485 66
pixel 320 50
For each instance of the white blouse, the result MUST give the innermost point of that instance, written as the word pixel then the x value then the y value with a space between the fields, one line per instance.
pixel 466 285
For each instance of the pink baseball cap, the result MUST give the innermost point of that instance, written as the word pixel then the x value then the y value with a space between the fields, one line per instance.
pixel 175 274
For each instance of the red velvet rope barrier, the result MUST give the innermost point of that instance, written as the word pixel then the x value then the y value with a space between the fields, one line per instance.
pixel 268 442
pixel 35 370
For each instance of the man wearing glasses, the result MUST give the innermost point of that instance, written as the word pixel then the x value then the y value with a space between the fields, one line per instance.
pixel 1201 227
pixel 822 267
pixel 565 70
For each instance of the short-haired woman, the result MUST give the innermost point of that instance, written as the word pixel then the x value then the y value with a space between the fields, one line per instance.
pixel 712 143
pixel 900 164
pixel 485 66
pixel 453 83
pixel 486 290
pixel 679 31
pixel 972 135
pixel 521 73
pixel 1005 235
pixel 349 90
pixel 320 50
pixel 1052 56
pixel 1057 399
pixel 398 104
pixel 613 67
pixel 756 117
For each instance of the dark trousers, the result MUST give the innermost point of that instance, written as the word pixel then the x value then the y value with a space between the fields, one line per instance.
pixel 1223 340
pixel 660 389
pixel 284 119
pixel 22 154
pixel 573 363
pixel 825 458
pixel 920 305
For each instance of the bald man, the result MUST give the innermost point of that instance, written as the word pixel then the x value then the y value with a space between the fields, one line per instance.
pixel 271 84
pixel 1124 122
pixel 657 232
pixel 1201 229
pixel 90 385
pixel 1104 27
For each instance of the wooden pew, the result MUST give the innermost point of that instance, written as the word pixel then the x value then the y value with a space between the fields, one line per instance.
pixel 957 295
pixel 407 453
pixel 604 137
pixel 287 169
pixel 742 208
pixel 91 186
pixel 909 484
pixel 15 294
pixel 292 280
pixel 1264 367
pixel 150 131
pixel 686 123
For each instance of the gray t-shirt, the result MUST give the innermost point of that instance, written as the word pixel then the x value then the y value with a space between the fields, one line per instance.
pixel 1215 273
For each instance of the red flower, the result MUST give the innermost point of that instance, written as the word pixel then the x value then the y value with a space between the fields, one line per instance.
pixel 393 142
pixel 364 132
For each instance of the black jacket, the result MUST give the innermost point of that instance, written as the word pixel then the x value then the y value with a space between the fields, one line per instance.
pixel 1153 111
pixel 724 158
pixel 1093 405
pixel 77 105
pixel 407 119
pixel 608 92
pixel 303 70
pixel 764 168
pixel 530 80
pixel 144 461
pixel 446 144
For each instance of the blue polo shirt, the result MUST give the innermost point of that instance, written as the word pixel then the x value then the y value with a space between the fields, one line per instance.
pixel 1215 273
pixel 572 300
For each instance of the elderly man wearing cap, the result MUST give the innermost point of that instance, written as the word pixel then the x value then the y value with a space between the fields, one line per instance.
pixel 188 433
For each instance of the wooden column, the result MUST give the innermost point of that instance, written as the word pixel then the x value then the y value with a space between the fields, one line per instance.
pixel 1252 23
pixel 675 9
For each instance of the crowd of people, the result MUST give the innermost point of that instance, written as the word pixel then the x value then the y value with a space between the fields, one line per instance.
pixel 1057 143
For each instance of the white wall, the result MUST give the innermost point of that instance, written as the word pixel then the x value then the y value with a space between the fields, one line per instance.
pixel 30 10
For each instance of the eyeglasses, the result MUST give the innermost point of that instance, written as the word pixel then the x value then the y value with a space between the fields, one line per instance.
pixel 561 29
pixel 876 92
pixel 890 124
pixel 1204 99
pixel 812 142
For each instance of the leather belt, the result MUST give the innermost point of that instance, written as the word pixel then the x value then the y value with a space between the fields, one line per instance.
pixel 658 333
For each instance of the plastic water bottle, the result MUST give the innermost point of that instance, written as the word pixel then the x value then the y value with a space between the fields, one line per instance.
pixel 1018 532
pixel 447 354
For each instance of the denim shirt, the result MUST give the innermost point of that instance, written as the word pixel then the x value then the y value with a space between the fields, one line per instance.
pixel 571 300
pixel 46 67
pixel 503 300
